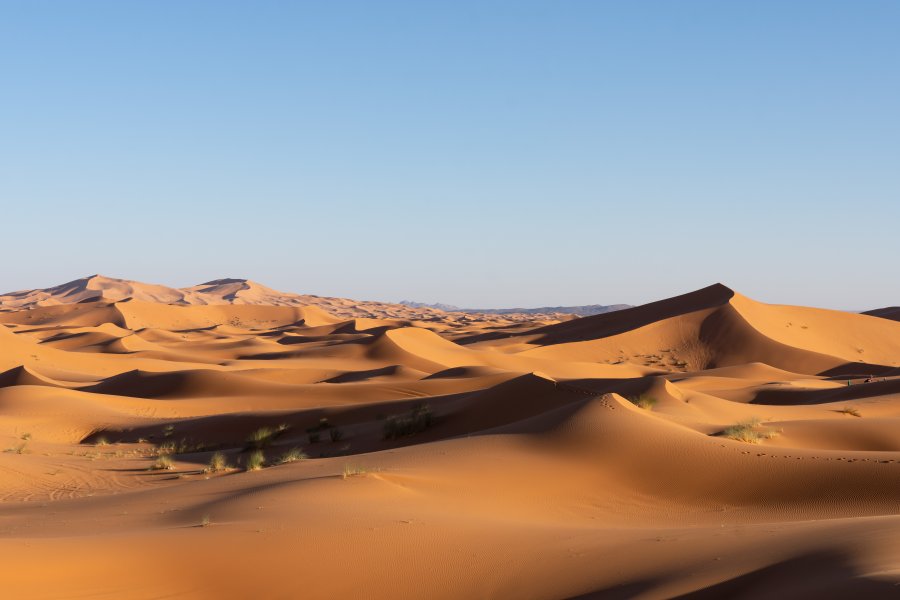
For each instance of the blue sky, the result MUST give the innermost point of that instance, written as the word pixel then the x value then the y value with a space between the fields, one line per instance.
pixel 476 153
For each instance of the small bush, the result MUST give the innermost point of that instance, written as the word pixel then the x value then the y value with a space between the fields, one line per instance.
pixel 314 437
pixel 101 441
pixel 260 438
pixel 292 455
pixel 335 434
pixel 26 437
pixel 643 401
pixel 419 419
pixel 163 463
pixel 256 460
pixel 353 472
pixel 168 430
pixel 205 521
pixel 167 447
pixel 748 431
pixel 217 462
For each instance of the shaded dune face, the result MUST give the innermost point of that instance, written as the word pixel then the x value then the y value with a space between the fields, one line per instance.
pixel 702 446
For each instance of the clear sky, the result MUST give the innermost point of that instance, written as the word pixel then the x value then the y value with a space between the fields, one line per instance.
pixel 477 153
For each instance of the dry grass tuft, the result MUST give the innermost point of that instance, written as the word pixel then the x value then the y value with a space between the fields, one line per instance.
pixel 643 401
pixel 354 472
pixel 217 463
pixel 749 431
pixel 418 420
pixel 292 455
pixel 163 462
pixel 256 460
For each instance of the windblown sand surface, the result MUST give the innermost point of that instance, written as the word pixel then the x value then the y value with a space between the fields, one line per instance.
pixel 704 446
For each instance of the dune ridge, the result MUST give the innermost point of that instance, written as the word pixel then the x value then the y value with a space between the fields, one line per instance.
pixel 702 446
pixel 235 291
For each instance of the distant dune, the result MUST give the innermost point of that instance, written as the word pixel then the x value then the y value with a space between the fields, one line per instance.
pixel 581 311
pixel 228 440
pixel 890 312
pixel 97 288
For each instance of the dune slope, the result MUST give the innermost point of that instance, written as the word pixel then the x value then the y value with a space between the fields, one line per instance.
pixel 230 441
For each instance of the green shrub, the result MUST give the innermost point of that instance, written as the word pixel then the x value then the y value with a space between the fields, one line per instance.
pixel 643 401
pixel 217 462
pixel 256 460
pixel 260 438
pixel 419 419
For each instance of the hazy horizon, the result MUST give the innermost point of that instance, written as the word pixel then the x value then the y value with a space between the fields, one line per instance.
pixel 400 300
pixel 484 155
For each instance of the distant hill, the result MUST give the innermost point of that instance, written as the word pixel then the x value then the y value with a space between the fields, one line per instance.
pixel 580 311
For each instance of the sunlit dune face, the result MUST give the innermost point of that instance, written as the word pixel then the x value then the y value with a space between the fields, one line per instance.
pixel 161 442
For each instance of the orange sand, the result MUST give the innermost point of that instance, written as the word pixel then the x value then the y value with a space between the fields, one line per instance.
pixel 534 475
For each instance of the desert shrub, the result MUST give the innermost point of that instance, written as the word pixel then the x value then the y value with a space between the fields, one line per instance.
pixel 748 431
pixel 163 463
pixel 217 462
pixel 167 447
pixel 643 401
pixel 256 460
pixel 260 438
pixel 335 434
pixel 168 430
pixel 292 455
pixel 314 437
pixel 419 419
pixel 322 425
pixel 849 410
pixel 353 472
pixel 26 436
pixel 205 521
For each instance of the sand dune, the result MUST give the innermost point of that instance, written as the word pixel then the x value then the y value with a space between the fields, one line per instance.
pixel 109 290
pixel 702 446
pixel 890 312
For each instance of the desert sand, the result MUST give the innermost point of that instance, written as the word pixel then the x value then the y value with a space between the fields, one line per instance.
pixel 703 446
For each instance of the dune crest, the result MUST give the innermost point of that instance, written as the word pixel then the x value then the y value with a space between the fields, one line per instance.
pixel 705 445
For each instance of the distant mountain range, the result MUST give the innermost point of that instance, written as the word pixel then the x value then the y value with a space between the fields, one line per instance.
pixel 581 311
